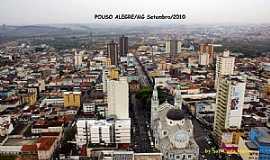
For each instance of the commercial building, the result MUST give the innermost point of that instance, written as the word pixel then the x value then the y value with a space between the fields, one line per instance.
pixel 256 146
pixel 118 100
pixel 112 50
pixel 123 46
pixel 229 104
pixel 173 47
pixel 103 132
pixel 247 150
pixel 230 140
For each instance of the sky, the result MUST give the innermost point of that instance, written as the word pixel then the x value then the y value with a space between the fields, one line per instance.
pixel 29 12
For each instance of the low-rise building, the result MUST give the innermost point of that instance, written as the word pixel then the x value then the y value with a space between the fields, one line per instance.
pixel 103 131
pixel 6 126
pixel 72 99
pixel 257 146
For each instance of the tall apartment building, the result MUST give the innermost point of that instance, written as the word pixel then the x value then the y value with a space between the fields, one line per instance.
pixel 229 104
pixel 103 131
pixel 203 59
pixel 209 49
pixel 72 99
pixel 118 102
pixel 78 59
pixel 224 66
pixel 112 50
pixel 123 46
pixel 173 47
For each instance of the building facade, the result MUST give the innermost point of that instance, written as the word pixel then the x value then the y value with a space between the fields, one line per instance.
pixel 78 59
pixel 112 50
pixel 103 132
pixel 173 132
pixel 229 104
pixel 173 47
pixel 123 46
pixel 209 49
pixel 118 98
pixel 204 59
pixel 224 66
pixel 72 99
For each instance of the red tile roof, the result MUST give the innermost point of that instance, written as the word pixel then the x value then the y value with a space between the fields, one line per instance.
pixel 45 143
pixel 50 134
pixel 29 148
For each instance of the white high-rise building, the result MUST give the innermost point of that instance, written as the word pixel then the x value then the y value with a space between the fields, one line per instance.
pixel 105 74
pixel 78 58
pixel 179 47
pixel 167 45
pixel 203 59
pixel 229 103
pixel 103 131
pixel 118 102
pixel 224 66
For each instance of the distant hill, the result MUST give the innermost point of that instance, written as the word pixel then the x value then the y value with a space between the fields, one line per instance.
pixel 33 30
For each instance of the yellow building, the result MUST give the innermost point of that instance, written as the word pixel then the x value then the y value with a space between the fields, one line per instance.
pixel 247 150
pixel 114 73
pixel 155 73
pixel 231 136
pixel 72 99
pixel 164 66
pixel 30 97
pixel 230 140
pixel 266 91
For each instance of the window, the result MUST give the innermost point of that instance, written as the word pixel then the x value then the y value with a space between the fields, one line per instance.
pixel 164 133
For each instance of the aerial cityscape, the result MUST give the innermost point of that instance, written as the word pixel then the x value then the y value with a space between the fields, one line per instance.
pixel 109 91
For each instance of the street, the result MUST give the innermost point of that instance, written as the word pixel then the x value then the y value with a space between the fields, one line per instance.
pixel 140 126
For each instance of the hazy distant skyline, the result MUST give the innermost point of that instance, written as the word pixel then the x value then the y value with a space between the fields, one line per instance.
pixel 28 12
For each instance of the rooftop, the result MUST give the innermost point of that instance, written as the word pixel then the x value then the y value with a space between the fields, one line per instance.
pixel 251 146
pixel 46 143
pixel 19 142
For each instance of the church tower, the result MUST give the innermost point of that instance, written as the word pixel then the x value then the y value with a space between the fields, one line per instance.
pixel 154 105
pixel 178 98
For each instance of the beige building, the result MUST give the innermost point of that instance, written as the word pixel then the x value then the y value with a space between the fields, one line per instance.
pixel 203 59
pixel 229 104
pixel 224 66
pixel 247 150
pixel 78 58
pixel 118 102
